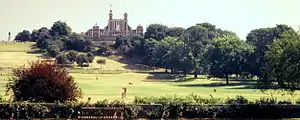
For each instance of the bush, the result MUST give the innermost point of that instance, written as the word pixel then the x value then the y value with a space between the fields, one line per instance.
pixel 266 100
pixel 190 99
pixel 82 60
pixel 90 57
pixel 101 61
pixel 42 82
pixel 287 102
pixel 62 59
pixel 53 51
pixel 72 55
pixel 104 49
pixel 237 100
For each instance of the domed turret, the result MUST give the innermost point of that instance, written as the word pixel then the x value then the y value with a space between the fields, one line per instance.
pixel 139 29
pixel 139 26
pixel 96 26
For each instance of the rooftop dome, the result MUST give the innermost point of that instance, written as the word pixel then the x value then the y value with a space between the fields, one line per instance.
pixel 96 26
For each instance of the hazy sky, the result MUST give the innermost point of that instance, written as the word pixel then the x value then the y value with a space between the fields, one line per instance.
pixel 240 16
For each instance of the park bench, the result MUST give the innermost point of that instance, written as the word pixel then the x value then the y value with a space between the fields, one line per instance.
pixel 116 113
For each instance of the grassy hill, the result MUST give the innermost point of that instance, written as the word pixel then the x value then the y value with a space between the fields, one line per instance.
pixel 106 81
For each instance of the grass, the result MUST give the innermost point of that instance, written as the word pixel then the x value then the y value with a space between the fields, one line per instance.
pixel 106 81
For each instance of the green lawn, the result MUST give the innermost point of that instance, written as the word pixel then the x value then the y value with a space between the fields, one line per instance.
pixel 109 86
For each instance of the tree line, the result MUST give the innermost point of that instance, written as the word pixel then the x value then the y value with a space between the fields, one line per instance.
pixel 271 54
pixel 60 38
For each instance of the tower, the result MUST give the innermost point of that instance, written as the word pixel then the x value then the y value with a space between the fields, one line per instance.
pixel 110 14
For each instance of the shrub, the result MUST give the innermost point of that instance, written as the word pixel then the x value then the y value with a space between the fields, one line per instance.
pixel 285 102
pixel 237 100
pixel 53 51
pixel 82 60
pixel 41 82
pixel 104 49
pixel 72 55
pixel 266 100
pixel 101 61
pixel 297 101
pixel 62 59
pixel 190 99
pixel 90 57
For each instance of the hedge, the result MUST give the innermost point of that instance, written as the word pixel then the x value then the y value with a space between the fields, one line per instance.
pixel 171 111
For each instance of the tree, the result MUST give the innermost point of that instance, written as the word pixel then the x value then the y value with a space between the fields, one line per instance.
pixel 23 36
pixel 34 35
pixel 282 69
pixel 211 29
pixel 175 32
pixel 43 38
pixel 197 40
pixel 137 42
pixel 101 61
pixel 90 57
pixel 176 56
pixel 41 82
pixel 53 51
pixel 151 54
pixel 261 38
pixel 75 42
pixel 60 28
pixel 104 49
pixel 156 31
pixel 226 56
pixel 82 59
pixel 122 40
pixel 88 45
pixel 72 56
pixel 62 59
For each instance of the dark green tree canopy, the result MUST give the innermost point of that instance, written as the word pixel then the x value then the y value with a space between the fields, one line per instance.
pixel 197 40
pixel 156 31
pixel 282 69
pixel 175 32
pixel 227 56
pixel 23 36
pixel 261 38
pixel 60 28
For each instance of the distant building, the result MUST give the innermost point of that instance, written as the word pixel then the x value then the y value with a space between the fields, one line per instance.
pixel 114 28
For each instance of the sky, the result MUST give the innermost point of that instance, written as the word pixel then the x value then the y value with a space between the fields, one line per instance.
pixel 239 16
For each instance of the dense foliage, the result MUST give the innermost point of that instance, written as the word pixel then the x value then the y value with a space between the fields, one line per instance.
pixel 42 82
pixel 23 36
pixel 282 66
pixel 167 107
pixel 228 55
pixel 57 39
